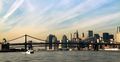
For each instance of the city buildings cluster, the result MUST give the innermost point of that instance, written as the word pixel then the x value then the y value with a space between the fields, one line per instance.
pixel 78 42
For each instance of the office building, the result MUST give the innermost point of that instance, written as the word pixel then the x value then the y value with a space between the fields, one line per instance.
pixel 90 33
pixel 64 41
pixel 76 35
pixel 51 39
pixel 82 35
pixel 118 35
pixel 97 36
pixel 106 37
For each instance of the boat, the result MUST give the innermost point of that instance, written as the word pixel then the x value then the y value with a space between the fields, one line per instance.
pixel 29 52
pixel 111 49
pixel 70 49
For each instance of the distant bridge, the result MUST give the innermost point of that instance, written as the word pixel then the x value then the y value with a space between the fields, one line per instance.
pixel 25 40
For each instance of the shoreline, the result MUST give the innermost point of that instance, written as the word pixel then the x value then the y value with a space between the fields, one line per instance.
pixel 61 51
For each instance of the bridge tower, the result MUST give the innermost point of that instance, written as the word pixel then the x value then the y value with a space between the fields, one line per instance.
pixel 25 42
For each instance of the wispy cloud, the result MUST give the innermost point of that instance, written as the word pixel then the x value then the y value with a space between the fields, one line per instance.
pixel 1 5
pixel 44 15
pixel 84 7
pixel 97 20
pixel 12 9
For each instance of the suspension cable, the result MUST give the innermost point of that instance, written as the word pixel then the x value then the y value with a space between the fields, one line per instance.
pixel 35 38
pixel 16 38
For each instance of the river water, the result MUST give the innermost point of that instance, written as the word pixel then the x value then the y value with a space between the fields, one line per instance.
pixel 61 56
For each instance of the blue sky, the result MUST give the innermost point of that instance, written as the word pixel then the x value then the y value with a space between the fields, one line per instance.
pixel 53 16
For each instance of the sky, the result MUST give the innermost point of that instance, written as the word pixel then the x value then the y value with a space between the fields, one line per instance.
pixel 42 17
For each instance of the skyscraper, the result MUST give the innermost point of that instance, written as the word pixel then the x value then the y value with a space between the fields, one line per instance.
pixel 76 34
pixel 64 41
pixel 106 37
pixel 97 36
pixel 119 28
pixel 90 33
pixel 111 36
pixel 71 37
pixel 51 39
pixel 118 35
pixel 83 35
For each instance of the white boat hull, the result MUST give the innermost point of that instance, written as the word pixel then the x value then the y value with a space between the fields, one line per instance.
pixel 29 52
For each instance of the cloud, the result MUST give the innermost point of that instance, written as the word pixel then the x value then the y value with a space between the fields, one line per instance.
pixel 30 6
pixel 98 20
pixel 92 23
pixel 1 5
pixel 80 9
pixel 4 26
pixel 42 17
pixel 48 21
pixel 12 9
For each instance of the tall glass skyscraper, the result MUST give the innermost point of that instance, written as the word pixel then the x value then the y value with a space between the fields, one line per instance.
pixel 51 39
pixel 90 33
pixel 64 41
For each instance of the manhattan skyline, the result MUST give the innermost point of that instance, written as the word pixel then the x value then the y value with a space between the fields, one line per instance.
pixel 43 17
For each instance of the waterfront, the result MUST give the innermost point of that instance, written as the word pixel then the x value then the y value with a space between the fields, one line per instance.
pixel 61 56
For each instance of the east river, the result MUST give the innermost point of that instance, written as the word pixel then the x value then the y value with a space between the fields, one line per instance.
pixel 61 56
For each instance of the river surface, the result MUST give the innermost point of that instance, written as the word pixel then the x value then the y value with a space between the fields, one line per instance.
pixel 61 56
